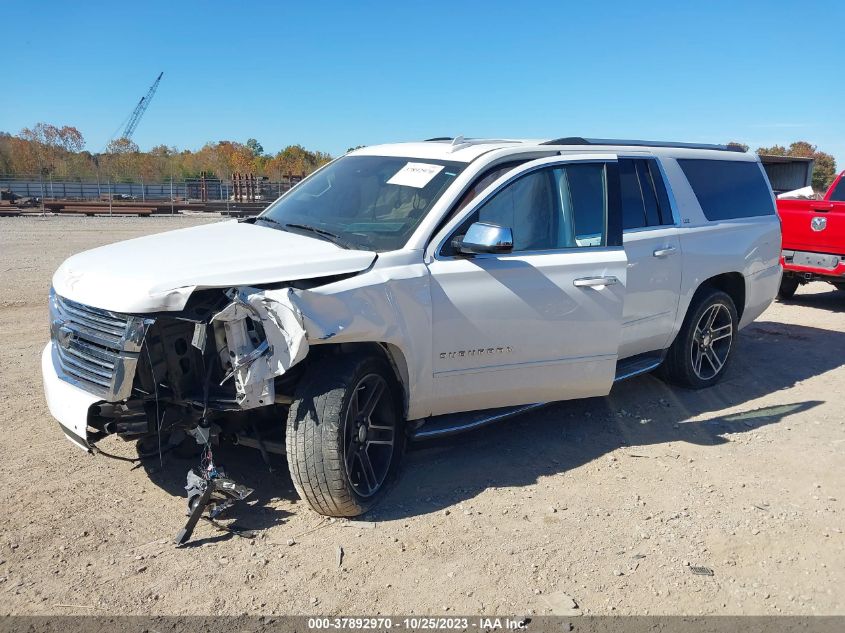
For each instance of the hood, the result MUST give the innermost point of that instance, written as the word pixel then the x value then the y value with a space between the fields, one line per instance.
pixel 159 272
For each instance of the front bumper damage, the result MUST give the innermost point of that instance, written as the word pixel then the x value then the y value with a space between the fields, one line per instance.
pixel 243 338
pixel 256 337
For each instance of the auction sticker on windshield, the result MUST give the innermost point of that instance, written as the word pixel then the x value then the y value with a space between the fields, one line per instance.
pixel 415 175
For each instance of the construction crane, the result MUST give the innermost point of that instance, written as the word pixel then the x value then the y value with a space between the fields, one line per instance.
pixel 139 110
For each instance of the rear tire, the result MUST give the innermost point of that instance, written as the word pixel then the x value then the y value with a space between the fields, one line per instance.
pixel 788 286
pixel 699 356
pixel 344 447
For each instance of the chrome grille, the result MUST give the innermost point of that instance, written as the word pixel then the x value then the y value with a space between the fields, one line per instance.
pixel 96 350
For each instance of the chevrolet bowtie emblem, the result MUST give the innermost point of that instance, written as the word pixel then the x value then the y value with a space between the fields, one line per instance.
pixel 64 337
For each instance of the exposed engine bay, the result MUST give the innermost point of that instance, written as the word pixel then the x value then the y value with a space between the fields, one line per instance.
pixel 202 371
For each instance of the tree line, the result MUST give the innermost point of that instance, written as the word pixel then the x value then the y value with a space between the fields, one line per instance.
pixel 47 150
pixel 59 152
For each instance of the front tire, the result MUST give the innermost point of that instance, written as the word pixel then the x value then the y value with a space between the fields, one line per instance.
pixel 345 435
pixel 699 356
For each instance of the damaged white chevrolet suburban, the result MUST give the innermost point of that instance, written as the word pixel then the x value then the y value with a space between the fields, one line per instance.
pixel 413 290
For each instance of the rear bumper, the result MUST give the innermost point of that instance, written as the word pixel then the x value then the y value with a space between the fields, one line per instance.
pixel 802 271
pixel 69 405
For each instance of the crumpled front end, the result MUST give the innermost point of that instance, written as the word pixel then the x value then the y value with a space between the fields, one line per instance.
pixel 166 337
pixel 165 373
pixel 226 365
pixel 259 336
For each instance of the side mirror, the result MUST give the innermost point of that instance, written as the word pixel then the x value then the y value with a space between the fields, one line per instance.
pixel 482 237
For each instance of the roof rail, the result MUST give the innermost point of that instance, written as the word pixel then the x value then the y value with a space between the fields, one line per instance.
pixel 578 140
pixel 459 142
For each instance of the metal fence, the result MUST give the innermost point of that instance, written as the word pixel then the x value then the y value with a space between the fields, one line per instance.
pixel 205 189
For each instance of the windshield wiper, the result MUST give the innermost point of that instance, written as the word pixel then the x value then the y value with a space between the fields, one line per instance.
pixel 266 218
pixel 327 235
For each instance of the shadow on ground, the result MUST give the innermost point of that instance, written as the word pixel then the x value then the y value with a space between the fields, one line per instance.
pixel 831 301
pixel 643 411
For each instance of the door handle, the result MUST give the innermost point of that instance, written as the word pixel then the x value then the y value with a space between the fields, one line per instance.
pixel 664 252
pixel 593 282
pixel 822 207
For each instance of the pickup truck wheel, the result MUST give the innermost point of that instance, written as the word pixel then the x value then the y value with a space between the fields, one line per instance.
pixel 344 435
pixel 788 286
pixel 700 353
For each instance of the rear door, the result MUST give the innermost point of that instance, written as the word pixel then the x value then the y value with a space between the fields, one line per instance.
pixel 653 248
pixel 542 322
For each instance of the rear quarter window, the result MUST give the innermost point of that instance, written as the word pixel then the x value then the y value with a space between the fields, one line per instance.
pixel 728 189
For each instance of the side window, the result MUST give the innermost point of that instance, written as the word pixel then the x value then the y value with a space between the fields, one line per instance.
pixel 479 184
pixel 645 201
pixel 482 182
pixel 663 203
pixel 652 215
pixel 528 207
pixel 728 189
pixel 557 207
pixel 587 204
pixel 633 211
pixel 838 194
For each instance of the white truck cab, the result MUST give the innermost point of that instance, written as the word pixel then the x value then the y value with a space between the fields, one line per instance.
pixel 413 290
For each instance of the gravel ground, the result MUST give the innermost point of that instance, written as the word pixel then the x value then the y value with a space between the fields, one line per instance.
pixel 607 501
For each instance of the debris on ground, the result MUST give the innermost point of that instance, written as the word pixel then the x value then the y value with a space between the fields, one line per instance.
pixel 365 525
pixel 701 571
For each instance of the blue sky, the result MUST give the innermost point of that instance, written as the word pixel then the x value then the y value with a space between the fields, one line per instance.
pixel 330 75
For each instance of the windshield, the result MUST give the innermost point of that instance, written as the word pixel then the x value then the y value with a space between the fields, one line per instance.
pixel 365 202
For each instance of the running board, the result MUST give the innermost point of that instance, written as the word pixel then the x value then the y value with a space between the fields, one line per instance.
pixel 639 364
pixel 452 423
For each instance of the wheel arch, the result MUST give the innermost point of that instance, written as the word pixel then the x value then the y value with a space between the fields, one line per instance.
pixel 391 353
pixel 732 284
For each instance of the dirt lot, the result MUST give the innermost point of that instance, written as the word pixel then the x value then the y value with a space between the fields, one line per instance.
pixel 606 501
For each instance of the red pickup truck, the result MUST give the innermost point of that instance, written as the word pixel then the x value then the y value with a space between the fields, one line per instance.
pixel 813 239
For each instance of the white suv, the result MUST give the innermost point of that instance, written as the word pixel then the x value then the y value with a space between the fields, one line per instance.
pixel 412 291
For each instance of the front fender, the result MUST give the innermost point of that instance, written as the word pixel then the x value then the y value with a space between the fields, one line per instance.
pixel 391 306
